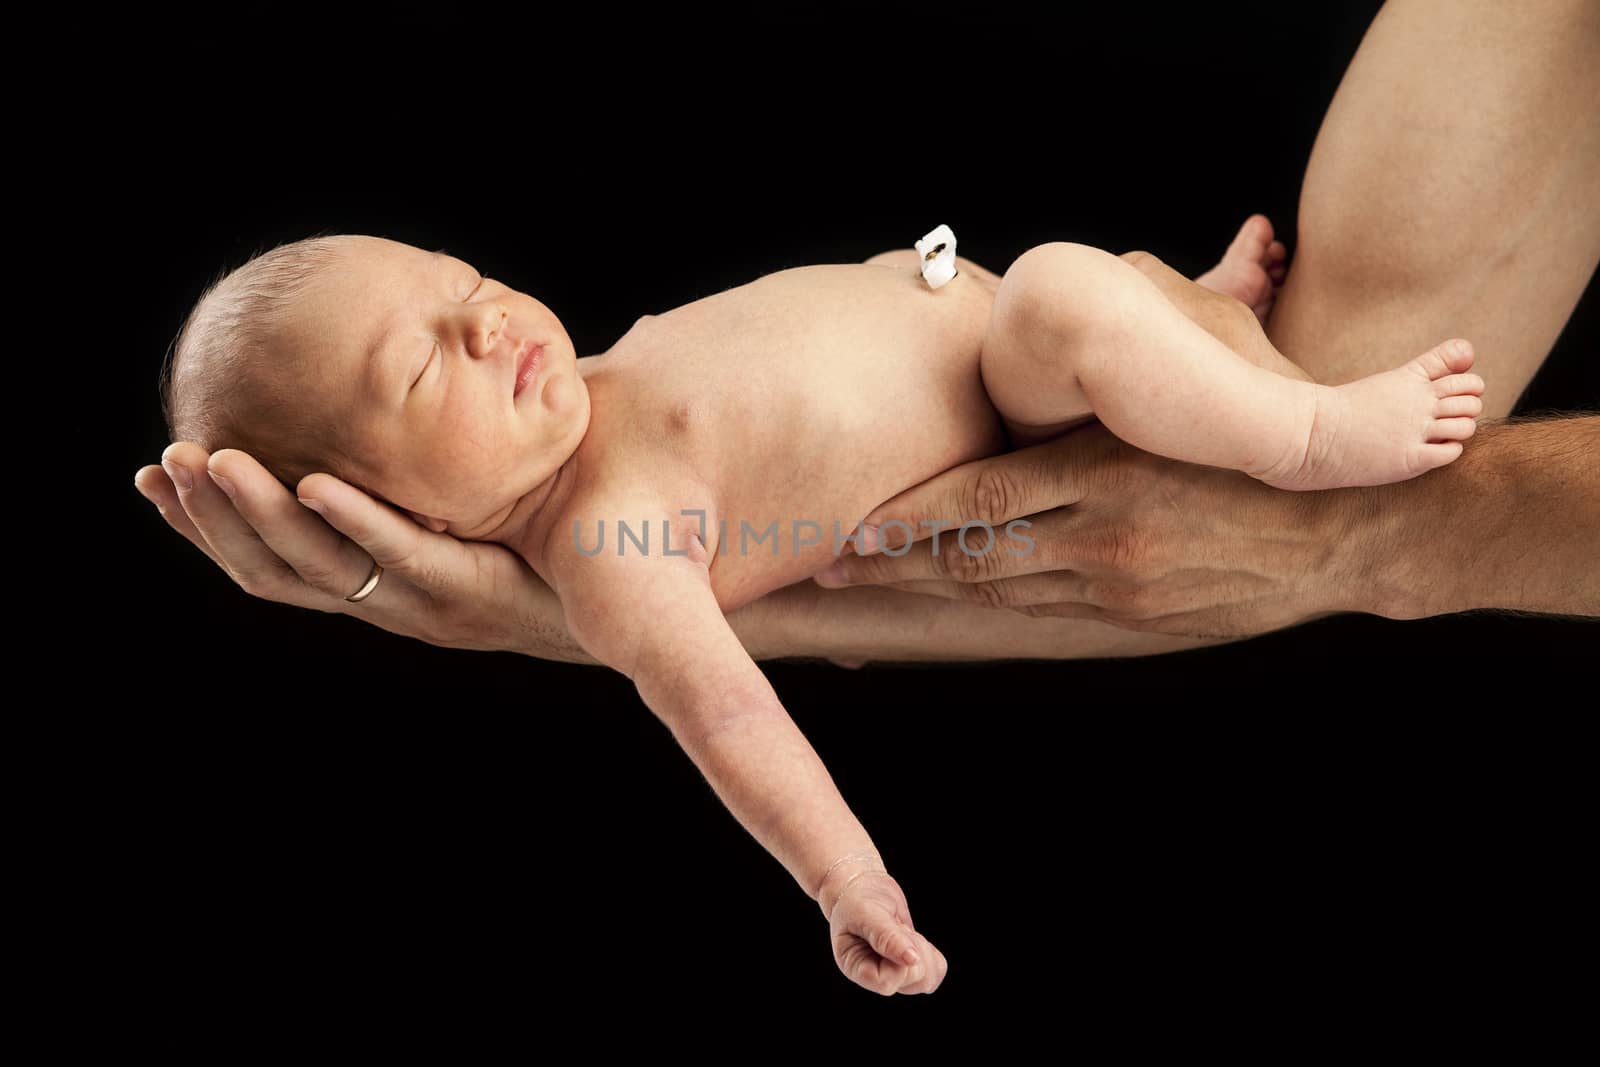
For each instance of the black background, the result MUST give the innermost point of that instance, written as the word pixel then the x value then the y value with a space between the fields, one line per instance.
pixel 1288 843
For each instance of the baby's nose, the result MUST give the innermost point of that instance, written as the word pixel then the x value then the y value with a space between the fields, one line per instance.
pixel 496 323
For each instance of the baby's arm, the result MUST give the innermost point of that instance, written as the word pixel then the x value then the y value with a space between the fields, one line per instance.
pixel 656 619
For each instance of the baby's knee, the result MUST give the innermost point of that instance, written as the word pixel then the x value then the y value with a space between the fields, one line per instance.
pixel 1143 262
pixel 1061 287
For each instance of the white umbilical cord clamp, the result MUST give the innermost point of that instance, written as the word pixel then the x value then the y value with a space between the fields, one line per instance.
pixel 938 251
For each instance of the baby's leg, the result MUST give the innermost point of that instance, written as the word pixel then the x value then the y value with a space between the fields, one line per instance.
pixel 1225 317
pixel 1076 331
pixel 1252 268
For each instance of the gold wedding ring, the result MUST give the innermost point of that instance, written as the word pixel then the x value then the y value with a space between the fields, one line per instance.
pixel 366 590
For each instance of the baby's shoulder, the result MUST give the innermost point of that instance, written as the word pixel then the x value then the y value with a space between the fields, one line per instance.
pixel 621 560
pixel 619 518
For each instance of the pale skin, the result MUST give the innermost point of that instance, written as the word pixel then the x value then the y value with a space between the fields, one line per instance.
pixel 748 407
pixel 1311 545
pixel 1157 379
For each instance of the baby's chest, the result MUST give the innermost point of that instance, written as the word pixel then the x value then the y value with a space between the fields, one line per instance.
pixel 799 415
pixel 810 354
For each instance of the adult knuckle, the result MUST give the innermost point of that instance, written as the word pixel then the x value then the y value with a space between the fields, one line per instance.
pixel 430 574
pixel 871 569
pixel 964 566
pixel 1117 547
pixel 265 586
pixel 1107 466
pixel 320 576
pixel 988 594
pixel 994 494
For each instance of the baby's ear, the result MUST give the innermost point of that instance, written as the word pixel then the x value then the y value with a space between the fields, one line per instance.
pixel 436 525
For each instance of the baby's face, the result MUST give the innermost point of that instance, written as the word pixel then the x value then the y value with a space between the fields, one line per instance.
pixel 417 355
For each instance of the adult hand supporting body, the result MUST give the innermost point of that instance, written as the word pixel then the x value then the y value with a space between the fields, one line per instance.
pixel 1151 544
pixel 456 594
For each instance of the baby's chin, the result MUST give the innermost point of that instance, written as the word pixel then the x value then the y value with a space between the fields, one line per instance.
pixel 487 525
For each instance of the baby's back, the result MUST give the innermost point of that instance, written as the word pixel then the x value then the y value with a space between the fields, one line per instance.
pixel 805 397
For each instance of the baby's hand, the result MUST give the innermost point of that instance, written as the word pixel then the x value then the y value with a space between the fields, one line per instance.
pixel 874 942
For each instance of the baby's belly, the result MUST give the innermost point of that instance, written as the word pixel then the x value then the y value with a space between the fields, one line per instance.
pixel 826 419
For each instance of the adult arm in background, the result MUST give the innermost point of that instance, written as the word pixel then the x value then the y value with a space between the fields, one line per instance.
pixel 1448 178
pixel 1451 192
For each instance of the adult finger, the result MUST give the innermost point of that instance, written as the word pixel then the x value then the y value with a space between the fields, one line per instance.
pixel 394 540
pixel 273 547
pixel 234 543
pixel 992 490
pixel 1062 609
pixel 1048 542
pixel 154 485
pixel 1055 587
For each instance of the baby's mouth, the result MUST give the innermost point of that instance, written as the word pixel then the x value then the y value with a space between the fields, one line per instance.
pixel 528 363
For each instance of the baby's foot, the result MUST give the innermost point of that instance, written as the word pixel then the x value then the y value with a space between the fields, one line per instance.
pixel 1389 427
pixel 1252 268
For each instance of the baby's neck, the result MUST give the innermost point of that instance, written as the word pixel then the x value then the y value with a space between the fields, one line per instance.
pixel 527 526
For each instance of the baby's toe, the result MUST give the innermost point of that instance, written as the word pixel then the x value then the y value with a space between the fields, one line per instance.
pixel 1454 406
pixel 1255 286
pixel 1458 385
pixel 1452 429
pixel 1452 357
pixel 1250 243
pixel 1437 455
pixel 1259 227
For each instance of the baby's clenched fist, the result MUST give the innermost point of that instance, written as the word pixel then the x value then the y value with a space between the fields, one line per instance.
pixel 874 942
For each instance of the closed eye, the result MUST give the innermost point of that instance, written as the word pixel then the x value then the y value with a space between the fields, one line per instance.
pixel 426 365
pixel 481 280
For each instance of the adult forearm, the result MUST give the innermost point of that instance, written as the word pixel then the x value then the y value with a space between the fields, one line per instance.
pixel 883 624
pixel 1513 524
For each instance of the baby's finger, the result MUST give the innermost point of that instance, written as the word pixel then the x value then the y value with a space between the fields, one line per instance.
pixel 895 942
pixel 863 966
pixel 929 973
pixel 158 489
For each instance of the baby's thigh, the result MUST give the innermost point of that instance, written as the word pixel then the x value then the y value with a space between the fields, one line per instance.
pixel 1223 317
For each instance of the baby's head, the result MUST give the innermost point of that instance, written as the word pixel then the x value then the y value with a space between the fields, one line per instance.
pixel 391 368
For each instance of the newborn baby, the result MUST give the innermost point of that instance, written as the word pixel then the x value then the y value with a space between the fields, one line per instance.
pixel 730 446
